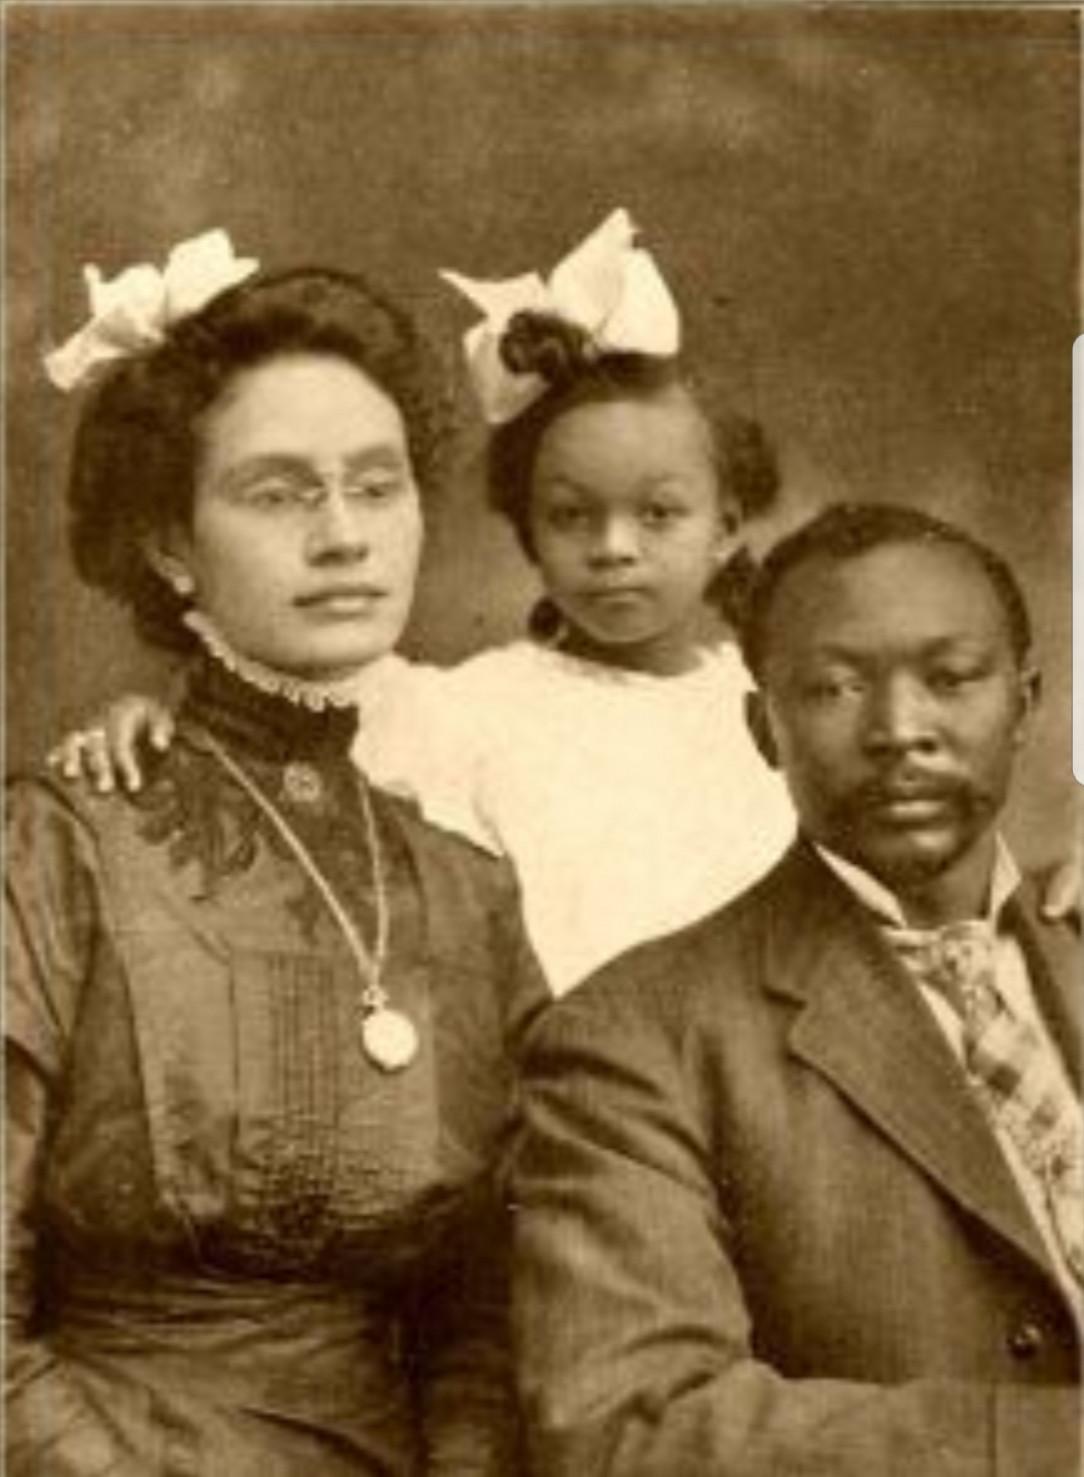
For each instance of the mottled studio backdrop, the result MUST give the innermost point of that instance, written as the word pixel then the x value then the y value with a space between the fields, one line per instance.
pixel 870 216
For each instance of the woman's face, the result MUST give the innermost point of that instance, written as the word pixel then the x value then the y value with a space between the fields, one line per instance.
pixel 306 524
pixel 628 525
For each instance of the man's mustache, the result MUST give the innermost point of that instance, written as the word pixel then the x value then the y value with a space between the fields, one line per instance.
pixel 872 794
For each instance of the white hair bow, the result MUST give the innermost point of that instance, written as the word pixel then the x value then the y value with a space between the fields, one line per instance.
pixel 606 286
pixel 133 311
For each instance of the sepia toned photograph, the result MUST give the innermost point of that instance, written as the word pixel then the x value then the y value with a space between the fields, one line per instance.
pixel 543 870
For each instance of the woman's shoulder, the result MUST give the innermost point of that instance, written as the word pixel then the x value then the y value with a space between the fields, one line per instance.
pixel 36 796
pixel 41 803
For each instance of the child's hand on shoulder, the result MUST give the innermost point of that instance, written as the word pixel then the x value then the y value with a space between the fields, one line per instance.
pixel 108 749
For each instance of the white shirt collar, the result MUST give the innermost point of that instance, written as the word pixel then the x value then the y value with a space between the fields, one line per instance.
pixel 875 896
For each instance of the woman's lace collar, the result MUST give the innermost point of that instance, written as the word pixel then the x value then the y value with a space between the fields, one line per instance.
pixel 317 697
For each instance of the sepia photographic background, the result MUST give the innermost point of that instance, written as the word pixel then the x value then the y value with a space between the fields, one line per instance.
pixel 869 215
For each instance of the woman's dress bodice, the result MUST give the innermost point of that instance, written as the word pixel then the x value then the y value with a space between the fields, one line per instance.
pixel 237 1243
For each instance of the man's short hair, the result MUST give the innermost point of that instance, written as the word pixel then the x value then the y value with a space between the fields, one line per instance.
pixel 846 530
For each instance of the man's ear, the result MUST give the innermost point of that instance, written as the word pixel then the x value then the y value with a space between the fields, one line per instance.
pixel 1031 691
pixel 759 724
pixel 168 565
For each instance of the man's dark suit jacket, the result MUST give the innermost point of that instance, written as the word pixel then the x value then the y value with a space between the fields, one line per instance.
pixel 764 1227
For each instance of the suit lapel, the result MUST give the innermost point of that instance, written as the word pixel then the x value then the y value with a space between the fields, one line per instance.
pixel 865 1027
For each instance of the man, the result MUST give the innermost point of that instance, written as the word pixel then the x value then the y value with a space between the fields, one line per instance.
pixel 800 1186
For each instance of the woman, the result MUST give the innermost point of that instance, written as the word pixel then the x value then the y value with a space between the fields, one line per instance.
pixel 258 1015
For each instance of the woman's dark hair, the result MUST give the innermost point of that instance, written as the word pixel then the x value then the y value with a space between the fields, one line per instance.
pixel 136 447
pixel 577 373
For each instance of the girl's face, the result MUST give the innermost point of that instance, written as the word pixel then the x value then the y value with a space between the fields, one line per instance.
pixel 628 525
pixel 306 524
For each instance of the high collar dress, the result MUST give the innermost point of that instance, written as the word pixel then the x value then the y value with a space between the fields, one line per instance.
pixel 235 1244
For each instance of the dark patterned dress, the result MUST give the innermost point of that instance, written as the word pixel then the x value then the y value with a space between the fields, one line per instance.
pixel 236 1247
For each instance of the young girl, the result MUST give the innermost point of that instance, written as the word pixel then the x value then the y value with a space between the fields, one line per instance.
pixel 607 756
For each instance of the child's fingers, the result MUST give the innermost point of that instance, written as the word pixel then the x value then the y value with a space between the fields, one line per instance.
pixel 125 727
pixel 97 761
pixel 67 756
pixel 131 724
pixel 127 768
pixel 56 757
pixel 162 731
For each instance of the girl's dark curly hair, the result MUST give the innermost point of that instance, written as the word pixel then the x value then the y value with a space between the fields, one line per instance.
pixel 577 373
pixel 136 446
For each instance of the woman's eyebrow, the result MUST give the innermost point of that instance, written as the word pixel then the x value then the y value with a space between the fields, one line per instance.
pixel 383 455
pixel 251 469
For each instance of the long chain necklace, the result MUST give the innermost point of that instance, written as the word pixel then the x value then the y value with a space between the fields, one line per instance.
pixel 388 1036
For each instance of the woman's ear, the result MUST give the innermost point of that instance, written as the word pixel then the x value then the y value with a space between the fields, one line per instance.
pixel 760 726
pixel 168 565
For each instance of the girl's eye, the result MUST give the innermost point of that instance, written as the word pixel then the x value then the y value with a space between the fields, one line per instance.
pixel 660 515
pixel 564 516
pixel 833 688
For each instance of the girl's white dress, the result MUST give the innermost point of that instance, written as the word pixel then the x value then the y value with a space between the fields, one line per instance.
pixel 630 804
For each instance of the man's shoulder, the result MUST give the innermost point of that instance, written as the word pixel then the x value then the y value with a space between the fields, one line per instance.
pixel 1029 899
pixel 1057 942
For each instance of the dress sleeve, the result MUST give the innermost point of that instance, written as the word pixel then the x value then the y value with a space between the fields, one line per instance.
pixel 52 1428
pixel 461 1323
pixel 636 1349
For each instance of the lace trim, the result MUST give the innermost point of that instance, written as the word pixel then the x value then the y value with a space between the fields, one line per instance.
pixel 315 696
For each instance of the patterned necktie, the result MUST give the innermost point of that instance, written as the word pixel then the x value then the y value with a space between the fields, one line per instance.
pixel 1009 1066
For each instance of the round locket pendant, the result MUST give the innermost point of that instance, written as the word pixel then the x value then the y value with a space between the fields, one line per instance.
pixel 389 1039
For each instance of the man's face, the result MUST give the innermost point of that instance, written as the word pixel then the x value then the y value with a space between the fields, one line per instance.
pixel 894 702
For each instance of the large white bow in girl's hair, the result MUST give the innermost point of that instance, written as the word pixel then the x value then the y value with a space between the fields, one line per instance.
pixel 133 311
pixel 607 286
